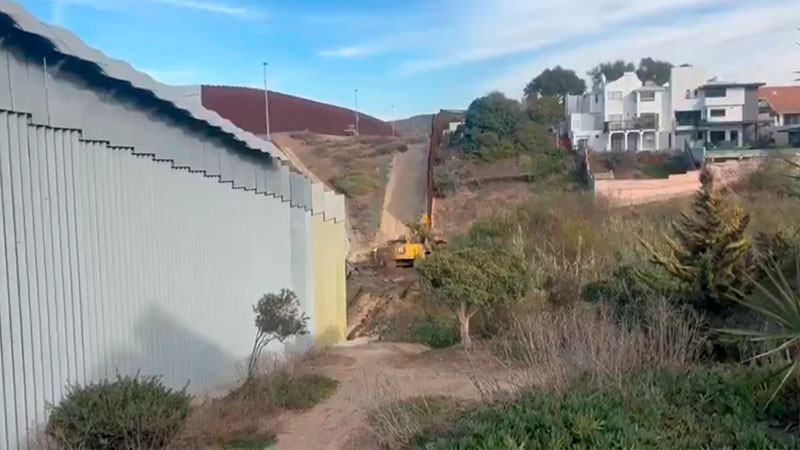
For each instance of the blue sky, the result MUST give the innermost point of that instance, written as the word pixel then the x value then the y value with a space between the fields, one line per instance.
pixel 423 55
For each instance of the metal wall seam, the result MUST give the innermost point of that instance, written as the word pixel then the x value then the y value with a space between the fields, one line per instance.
pixel 52 263
pixel 8 277
pixel 19 307
pixel 30 334
pixel 70 145
pixel 63 282
pixel 38 324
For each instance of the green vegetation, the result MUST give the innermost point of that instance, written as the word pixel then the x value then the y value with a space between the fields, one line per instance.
pixel 468 279
pixel 435 333
pixel 649 69
pixel 278 318
pixel 497 127
pixel 708 253
pixel 445 183
pixel 778 301
pixel 556 82
pixel 396 422
pixel 703 408
pixel 355 184
pixel 251 442
pixel 284 390
pixel 130 412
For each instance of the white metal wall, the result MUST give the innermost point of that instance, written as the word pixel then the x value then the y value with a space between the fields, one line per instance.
pixel 111 262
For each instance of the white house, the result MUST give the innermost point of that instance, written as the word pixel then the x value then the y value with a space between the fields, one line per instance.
pixel 626 115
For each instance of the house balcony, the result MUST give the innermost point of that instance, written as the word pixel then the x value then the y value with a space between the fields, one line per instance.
pixel 639 123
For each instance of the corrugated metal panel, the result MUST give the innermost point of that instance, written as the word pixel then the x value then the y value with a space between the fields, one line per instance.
pixel 109 263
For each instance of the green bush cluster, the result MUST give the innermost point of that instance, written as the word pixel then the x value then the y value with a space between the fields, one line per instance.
pixel 445 183
pixel 497 127
pixel 355 184
pixel 130 412
pixel 704 408
pixel 284 390
pixel 435 333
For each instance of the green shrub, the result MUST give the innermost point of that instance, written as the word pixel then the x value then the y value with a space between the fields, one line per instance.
pixel 444 183
pixel 131 412
pixel 355 184
pixel 704 408
pixel 395 423
pixel 251 442
pixel 284 390
pixel 435 333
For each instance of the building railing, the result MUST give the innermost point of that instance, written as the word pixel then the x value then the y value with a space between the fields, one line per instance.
pixel 640 123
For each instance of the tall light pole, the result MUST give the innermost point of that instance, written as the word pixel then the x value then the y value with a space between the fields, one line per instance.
pixel 355 98
pixel 266 101
pixel 392 119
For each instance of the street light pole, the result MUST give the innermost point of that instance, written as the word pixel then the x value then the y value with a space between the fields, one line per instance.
pixel 266 101
pixel 355 97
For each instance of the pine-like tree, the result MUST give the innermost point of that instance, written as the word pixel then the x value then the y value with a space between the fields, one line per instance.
pixel 708 250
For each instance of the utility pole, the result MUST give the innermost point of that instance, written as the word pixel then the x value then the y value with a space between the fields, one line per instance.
pixel 355 97
pixel 392 119
pixel 266 101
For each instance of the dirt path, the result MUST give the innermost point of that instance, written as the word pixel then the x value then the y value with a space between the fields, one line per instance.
pixel 340 422
pixel 406 193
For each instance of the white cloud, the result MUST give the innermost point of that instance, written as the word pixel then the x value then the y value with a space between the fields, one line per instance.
pixel 346 52
pixel 214 7
pixel 747 44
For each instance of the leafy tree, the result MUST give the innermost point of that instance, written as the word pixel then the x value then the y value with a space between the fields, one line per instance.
pixel 555 82
pixel 471 278
pixel 547 111
pixel 278 317
pixel 708 252
pixel 654 70
pixel 611 70
pixel 497 127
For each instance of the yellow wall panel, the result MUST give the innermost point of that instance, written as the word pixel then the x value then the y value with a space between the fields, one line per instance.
pixel 330 304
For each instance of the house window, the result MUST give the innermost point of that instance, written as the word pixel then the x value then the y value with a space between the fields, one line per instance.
pixel 700 136
pixel 695 93
pixel 717 112
pixel 734 136
pixel 716 92
pixel 596 98
pixel 716 136
pixel 791 119
pixel 647 96
pixel 649 140
pixel 688 93
pixel 615 95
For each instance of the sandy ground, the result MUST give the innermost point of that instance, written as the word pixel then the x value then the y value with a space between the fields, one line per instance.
pixel 406 193
pixel 340 422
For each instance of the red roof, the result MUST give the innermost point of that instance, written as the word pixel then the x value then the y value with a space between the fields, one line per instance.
pixel 245 108
pixel 782 99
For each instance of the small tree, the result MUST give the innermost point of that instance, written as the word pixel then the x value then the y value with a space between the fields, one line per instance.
pixel 468 279
pixel 278 317
pixel 708 252
pixel 556 82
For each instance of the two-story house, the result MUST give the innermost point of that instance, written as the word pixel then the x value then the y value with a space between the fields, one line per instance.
pixel 622 115
pixel 779 110
pixel 627 115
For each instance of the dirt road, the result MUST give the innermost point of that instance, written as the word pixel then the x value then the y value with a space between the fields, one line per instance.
pixel 409 370
pixel 406 192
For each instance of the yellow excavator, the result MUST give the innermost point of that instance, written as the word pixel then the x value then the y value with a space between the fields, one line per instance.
pixel 417 243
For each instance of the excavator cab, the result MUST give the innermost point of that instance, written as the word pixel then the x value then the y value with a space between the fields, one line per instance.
pixel 416 244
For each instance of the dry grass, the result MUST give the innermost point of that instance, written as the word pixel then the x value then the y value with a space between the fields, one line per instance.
pixel 245 414
pixel 549 349
pixel 393 420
